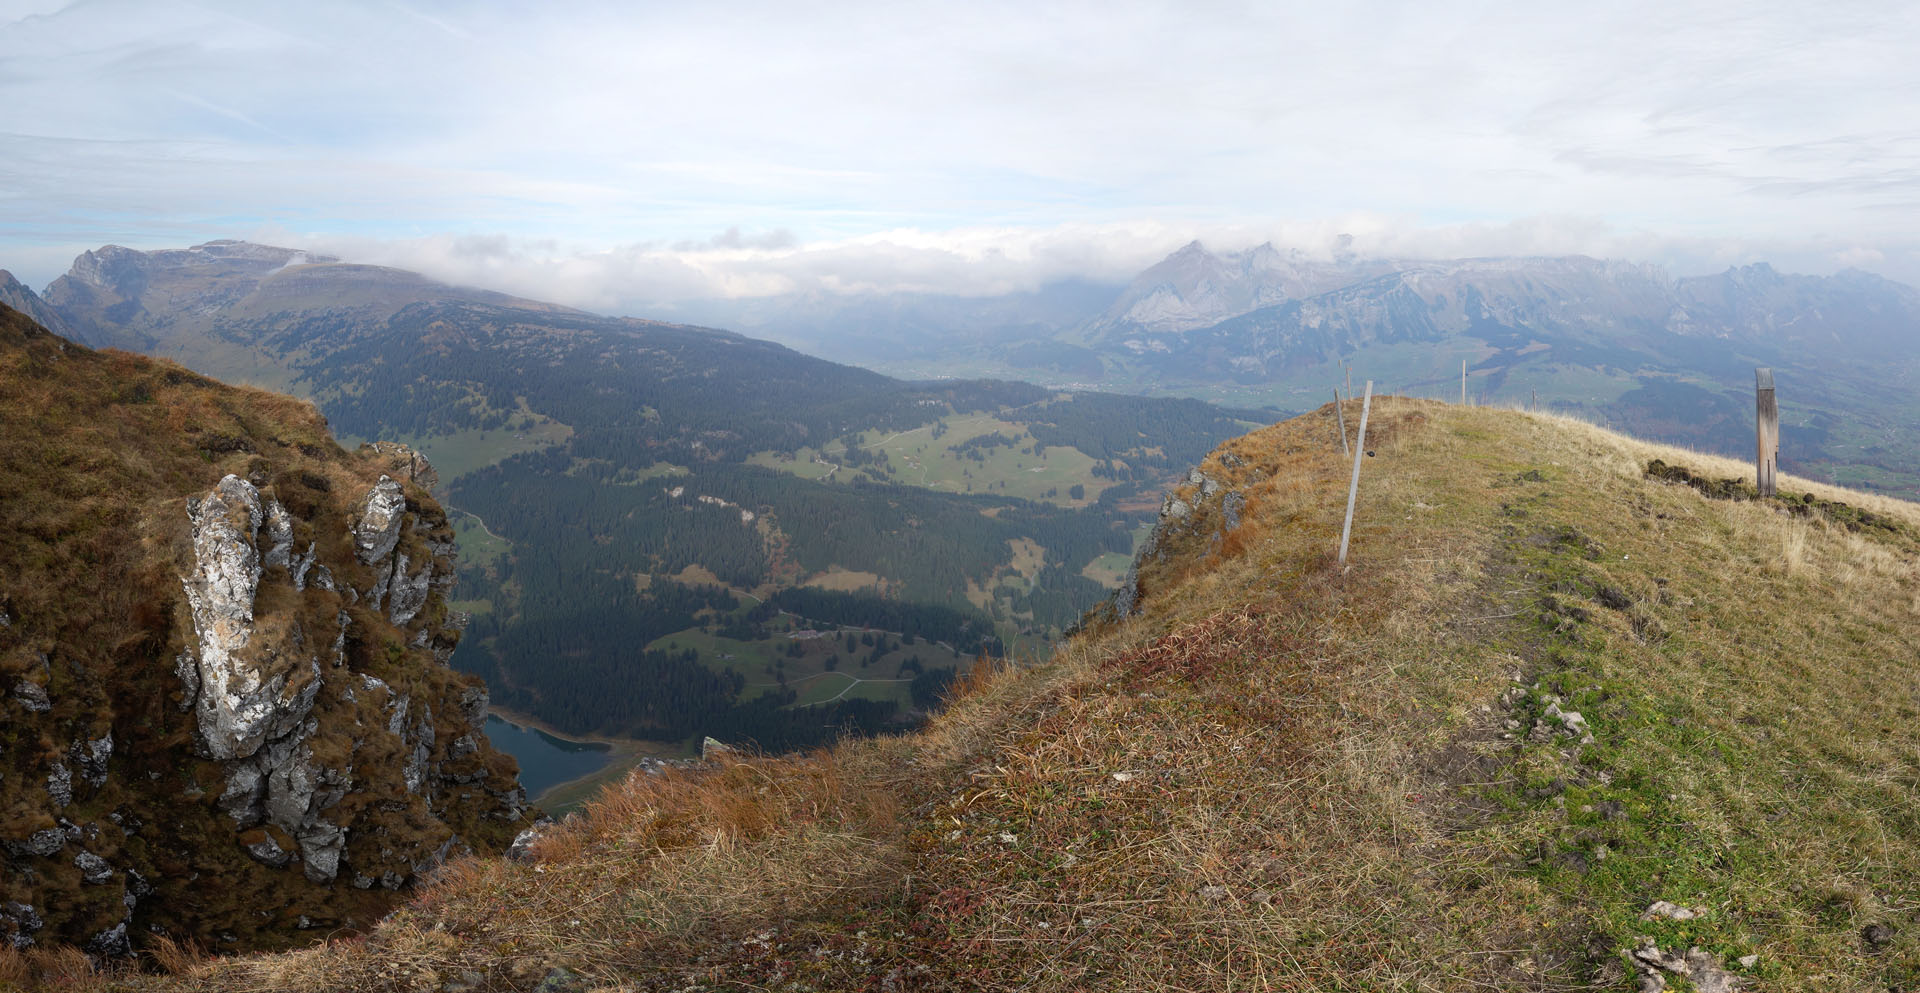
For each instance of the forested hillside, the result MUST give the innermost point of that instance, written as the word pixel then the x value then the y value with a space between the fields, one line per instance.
pixel 674 531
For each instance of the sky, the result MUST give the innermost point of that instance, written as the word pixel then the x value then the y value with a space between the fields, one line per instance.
pixel 631 155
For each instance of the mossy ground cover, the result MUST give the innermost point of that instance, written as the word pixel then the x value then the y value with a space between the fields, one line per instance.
pixel 1286 775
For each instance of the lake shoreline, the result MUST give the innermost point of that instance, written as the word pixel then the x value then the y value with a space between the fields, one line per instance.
pixel 622 756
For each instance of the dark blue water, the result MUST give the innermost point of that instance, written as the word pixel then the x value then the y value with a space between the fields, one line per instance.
pixel 545 761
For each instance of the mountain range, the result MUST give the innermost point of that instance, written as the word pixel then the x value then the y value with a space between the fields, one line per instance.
pixel 674 531
pixel 608 469
pixel 1620 343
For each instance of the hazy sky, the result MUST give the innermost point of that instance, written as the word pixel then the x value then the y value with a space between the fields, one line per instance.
pixel 621 154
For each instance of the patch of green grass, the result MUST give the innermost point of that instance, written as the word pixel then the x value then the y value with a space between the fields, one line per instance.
pixel 916 458
pixel 455 455
pixel 478 545
pixel 763 664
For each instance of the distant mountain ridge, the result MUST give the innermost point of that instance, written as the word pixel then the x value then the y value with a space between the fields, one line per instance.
pixel 1624 343
pixel 1195 288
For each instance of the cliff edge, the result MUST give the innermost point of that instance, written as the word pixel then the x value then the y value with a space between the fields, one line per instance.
pixel 227 714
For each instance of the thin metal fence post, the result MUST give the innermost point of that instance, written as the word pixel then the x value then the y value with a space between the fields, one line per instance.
pixel 1353 488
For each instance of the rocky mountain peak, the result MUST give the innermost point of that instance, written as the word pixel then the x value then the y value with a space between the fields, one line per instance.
pixel 20 297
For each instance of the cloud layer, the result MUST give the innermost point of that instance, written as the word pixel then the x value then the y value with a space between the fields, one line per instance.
pixel 612 155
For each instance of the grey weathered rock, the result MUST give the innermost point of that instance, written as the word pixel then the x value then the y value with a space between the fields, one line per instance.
pixel 422 737
pixel 462 747
pixel 280 537
pixel 91 756
pixel 93 868
pixel 300 565
pixel 44 842
pixel 1702 968
pixel 60 785
pixel 378 529
pixel 321 845
pixel 1670 911
pixel 240 699
pixel 245 796
pixel 1175 509
pixel 473 705
pixel 409 593
pixel 522 848
pixel 408 463
pixel 268 852
pixel 18 922
pixel 1231 507
pixel 711 746
pixel 32 696
pixel 290 783
pixel 111 943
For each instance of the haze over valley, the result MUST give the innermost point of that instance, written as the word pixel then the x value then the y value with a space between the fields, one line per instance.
pixel 890 496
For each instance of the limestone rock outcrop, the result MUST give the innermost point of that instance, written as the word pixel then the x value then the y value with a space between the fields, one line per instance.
pixel 1205 508
pixel 225 709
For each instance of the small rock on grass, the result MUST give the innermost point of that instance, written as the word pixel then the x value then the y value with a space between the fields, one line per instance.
pixel 1213 894
pixel 1877 936
pixel 1670 911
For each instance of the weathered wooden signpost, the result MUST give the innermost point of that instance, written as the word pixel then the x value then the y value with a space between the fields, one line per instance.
pixel 1353 488
pixel 1463 382
pixel 1766 425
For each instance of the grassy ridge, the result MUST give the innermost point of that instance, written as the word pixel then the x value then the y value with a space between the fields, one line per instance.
pixel 1282 775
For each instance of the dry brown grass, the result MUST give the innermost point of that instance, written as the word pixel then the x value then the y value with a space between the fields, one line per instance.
pixel 1288 776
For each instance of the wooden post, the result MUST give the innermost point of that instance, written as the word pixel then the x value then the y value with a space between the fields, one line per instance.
pixel 1463 382
pixel 1349 384
pixel 1353 488
pixel 1766 423
pixel 1342 415
pixel 1534 405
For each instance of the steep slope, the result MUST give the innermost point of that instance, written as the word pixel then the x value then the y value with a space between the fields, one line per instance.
pixel 17 295
pixel 228 717
pixel 1577 714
